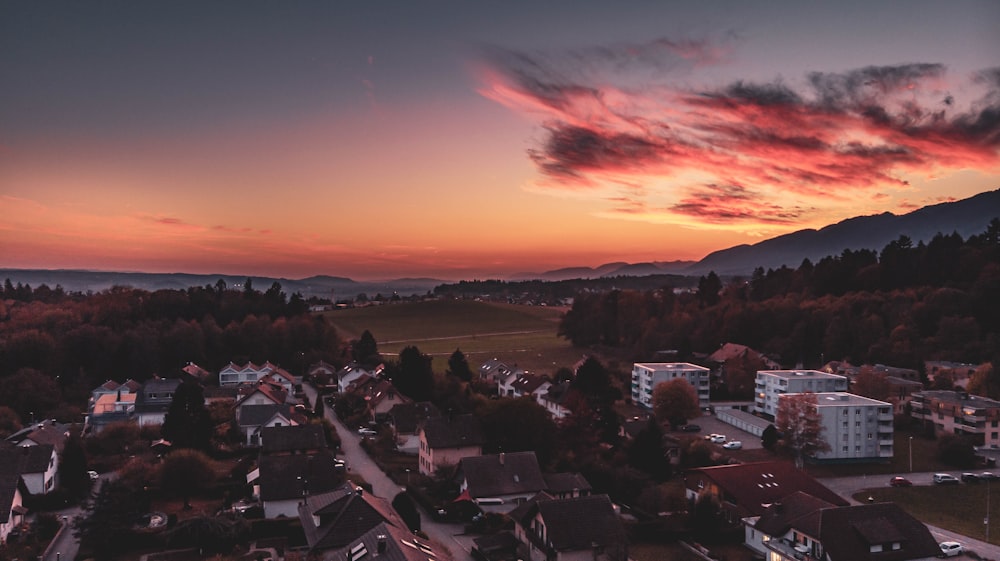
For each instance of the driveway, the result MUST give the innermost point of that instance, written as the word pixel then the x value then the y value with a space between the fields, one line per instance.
pixel 358 461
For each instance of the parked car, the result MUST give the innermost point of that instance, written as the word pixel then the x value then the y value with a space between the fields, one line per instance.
pixel 900 482
pixel 951 549
pixel 733 445
pixel 970 478
pixel 716 438
pixel 365 431
pixel 988 476
pixel 94 476
pixel 945 479
pixel 690 428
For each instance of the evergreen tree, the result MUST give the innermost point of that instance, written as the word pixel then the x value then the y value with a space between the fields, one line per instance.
pixel 458 366
pixel 415 378
pixel 188 423
pixel 647 453
pixel 364 351
pixel 73 475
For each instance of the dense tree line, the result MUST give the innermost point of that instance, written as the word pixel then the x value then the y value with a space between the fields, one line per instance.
pixel 55 347
pixel 556 290
pixel 906 304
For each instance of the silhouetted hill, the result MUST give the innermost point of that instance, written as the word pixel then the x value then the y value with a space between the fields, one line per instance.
pixel 615 269
pixel 967 217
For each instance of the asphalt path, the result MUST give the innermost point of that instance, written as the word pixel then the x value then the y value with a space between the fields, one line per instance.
pixel 446 537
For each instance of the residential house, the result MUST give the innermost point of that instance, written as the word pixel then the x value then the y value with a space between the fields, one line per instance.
pixel 253 419
pixel 494 370
pixel 249 373
pixel 855 428
pixel 352 372
pixel 772 383
pixel 647 375
pixel 44 432
pixel 261 394
pixel 336 518
pixel 154 399
pixel 12 510
pixel 735 351
pixel 553 399
pixel 386 542
pixel 197 373
pixel 958 373
pixel 283 482
pixel 444 441
pixel 528 384
pixel 744 490
pixel 322 374
pixel 111 402
pixel 283 378
pixel 292 439
pixel 37 465
pixel 221 394
pixel 956 412
pixel 801 526
pixel 571 529
pixel 405 419
pixel 566 485
pixel 382 396
pixel 497 481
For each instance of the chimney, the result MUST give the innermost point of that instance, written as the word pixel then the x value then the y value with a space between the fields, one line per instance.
pixel 381 544
pixel 501 458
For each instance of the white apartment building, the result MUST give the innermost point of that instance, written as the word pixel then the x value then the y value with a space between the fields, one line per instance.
pixel 646 375
pixel 772 383
pixel 856 428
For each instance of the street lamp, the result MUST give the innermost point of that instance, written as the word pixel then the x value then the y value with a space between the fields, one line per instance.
pixel 911 454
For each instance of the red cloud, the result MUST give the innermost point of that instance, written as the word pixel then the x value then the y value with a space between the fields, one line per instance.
pixel 841 134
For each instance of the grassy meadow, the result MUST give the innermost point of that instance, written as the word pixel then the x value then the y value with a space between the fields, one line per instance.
pixel 525 335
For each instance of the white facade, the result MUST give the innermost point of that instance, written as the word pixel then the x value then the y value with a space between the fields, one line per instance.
pixel 855 427
pixel 249 373
pixel 646 375
pixel 773 383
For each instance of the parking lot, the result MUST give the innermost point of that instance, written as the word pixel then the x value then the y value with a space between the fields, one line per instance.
pixel 711 425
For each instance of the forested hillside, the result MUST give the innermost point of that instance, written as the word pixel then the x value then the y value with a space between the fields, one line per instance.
pixel 901 306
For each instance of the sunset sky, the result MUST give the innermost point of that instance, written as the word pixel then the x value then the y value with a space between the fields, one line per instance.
pixel 476 139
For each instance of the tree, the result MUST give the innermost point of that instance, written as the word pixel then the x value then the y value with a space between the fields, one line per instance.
pixel 799 422
pixel 112 512
pixel 73 467
pixel 415 378
pixel 985 381
pixel 870 383
pixel 188 423
pixel 709 288
pixel 186 472
pixel 10 422
pixel 647 453
pixel 210 534
pixel 518 425
pixel 769 438
pixel 364 351
pixel 956 450
pixel 458 366
pixel 675 401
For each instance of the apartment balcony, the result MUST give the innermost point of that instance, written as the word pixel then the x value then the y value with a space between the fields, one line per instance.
pixel 788 549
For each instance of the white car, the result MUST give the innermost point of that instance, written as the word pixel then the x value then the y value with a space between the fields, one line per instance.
pixel 716 438
pixel 93 475
pixel 365 431
pixel 733 445
pixel 951 549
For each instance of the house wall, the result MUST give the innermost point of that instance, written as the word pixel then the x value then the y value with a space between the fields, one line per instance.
pixel 13 520
pixel 344 380
pixel 431 459
pixel 646 376
pixel 753 538
pixel 855 427
pixel 152 418
pixel 771 384
pixel 43 482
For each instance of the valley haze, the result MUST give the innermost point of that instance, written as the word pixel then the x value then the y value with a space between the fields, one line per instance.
pixel 966 217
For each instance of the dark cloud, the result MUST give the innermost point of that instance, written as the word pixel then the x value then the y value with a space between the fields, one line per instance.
pixel 733 203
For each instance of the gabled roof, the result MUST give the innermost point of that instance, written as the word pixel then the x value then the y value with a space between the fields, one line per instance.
pixel 273 392
pixel 559 483
pixel 108 386
pixel 353 369
pixel 528 383
pixel 497 475
pixel 257 415
pixel 321 365
pixel 195 371
pixel 458 432
pixel 290 477
pixel 130 385
pixel 557 393
pixel 45 432
pixel 386 542
pixel 382 390
pixel 799 510
pixel 754 486
pixel 344 514
pixel 406 417
pixel 309 437
pixel 575 524
pixel 848 533
pixel 21 460
pixel 8 489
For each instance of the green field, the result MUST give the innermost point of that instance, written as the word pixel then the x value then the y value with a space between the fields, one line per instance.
pixel 959 508
pixel 525 335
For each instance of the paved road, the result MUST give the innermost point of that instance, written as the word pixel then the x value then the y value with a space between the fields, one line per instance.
pixel 848 486
pixel 358 461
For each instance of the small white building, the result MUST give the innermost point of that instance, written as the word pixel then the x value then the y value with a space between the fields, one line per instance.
pixel 646 375
pixel 772 383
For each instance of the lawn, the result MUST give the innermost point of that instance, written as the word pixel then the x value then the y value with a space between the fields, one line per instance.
pixel 523 335
pixel 958 508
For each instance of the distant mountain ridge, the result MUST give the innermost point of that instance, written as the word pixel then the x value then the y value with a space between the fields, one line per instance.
pixel 967 217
